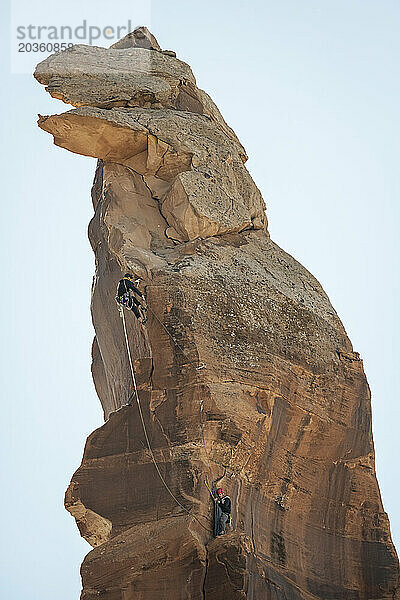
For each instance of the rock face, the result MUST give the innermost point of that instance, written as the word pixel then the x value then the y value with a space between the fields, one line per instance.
pixel 243 367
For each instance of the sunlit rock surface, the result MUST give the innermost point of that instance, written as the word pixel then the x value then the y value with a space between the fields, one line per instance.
pixel 243 367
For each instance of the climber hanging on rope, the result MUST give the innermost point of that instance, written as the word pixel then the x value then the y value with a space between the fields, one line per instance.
pixel 127 293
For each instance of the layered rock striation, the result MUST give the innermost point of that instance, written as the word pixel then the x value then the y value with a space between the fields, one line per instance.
pixel 243 369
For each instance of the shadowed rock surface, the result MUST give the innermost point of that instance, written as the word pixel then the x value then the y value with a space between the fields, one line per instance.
pixel 243 366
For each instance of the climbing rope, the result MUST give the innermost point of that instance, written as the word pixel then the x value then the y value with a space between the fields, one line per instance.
pixel 172 338
pixel 200 366
pixel 145 428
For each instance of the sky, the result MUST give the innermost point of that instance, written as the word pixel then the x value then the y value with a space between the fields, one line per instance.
pixel 312 90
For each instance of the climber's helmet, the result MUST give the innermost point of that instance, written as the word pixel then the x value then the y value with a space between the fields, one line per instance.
pixel 128 276
pixel 220 492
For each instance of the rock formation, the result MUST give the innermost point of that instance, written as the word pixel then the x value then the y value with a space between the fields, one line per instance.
pixel 243 367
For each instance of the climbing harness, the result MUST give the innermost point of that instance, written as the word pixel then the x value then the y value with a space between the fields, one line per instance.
pixel 136 395
pixel 127 296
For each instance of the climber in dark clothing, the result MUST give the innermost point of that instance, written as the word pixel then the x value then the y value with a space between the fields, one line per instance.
pixel 126 296
pixel 224 503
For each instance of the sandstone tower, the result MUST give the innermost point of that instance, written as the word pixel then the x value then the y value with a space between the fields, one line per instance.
pixel 244 369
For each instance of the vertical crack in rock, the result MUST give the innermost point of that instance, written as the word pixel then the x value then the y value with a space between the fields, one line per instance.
pixel 252 529
pixel 286 404
pixel 204 591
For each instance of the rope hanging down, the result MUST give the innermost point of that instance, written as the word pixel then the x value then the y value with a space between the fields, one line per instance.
pixel 145 428
pixel 201 366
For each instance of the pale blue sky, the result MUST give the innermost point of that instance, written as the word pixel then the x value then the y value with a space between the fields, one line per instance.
pixel 312 89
